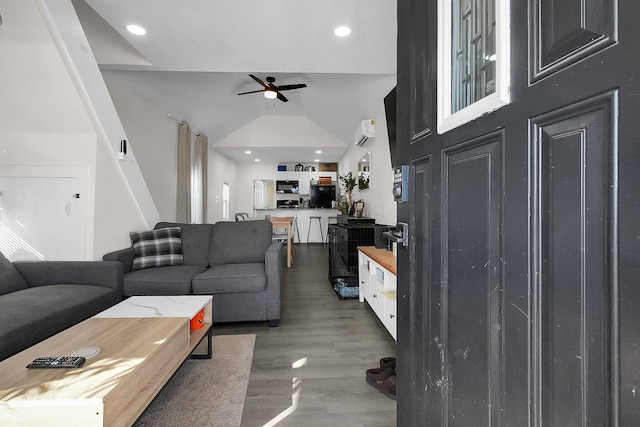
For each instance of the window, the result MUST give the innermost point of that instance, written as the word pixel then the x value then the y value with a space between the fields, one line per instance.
pixel 473 59
pixel 225 200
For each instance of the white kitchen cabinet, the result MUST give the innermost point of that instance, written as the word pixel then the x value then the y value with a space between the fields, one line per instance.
pixel 377 281
pixel 287 176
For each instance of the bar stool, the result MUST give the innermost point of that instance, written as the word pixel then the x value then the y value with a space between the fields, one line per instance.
pixel 295 227
pixel 311 218
pixel 329 219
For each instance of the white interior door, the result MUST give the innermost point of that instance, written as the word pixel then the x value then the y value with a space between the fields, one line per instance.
pixel 43 213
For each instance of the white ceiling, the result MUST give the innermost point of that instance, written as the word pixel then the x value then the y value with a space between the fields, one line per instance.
pixel 197 55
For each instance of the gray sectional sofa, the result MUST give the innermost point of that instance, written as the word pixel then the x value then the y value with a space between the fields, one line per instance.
pixel 40 299
pixel 236 262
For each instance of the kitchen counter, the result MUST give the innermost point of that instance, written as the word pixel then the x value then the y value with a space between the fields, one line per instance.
pixel 299 208
pixel 302 215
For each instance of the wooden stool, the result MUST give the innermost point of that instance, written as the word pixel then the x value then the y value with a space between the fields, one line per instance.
pixel 311 218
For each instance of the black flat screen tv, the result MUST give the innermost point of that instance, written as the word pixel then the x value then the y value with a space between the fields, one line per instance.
pixel 321 196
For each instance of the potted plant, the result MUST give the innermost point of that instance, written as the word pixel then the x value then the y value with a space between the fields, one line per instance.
pixel 348 183
pixel 342 205
pixel 363 181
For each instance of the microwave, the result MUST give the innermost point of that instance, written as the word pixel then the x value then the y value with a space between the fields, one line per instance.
pixel 287 187
pixel 287 204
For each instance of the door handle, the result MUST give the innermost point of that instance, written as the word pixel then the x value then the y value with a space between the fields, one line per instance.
pixel 400 234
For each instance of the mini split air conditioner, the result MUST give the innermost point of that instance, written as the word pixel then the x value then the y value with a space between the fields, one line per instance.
pixel 366 129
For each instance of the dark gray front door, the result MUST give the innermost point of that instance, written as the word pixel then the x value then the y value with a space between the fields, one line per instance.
pixel 519 293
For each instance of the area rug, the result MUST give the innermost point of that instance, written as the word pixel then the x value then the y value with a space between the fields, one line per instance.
pixel 207 392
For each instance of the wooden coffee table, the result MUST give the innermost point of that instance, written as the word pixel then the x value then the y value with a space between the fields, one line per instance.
pixel 138 354
pixel 168 306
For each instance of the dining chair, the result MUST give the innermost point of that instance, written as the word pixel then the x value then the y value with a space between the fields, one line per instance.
pixel 241 216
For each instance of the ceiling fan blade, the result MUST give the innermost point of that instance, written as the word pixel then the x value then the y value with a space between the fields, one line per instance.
pixel 282 98
pixel 289 87
pixel 253 91
pixel 258 80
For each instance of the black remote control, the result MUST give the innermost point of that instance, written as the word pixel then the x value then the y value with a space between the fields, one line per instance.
pixel 57 362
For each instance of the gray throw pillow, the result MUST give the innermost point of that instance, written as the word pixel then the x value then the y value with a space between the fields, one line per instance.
pixel 10 279
pixel 156 248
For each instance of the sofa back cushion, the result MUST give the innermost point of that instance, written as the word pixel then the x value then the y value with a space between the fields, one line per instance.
pixel 10 279
pixel 195 241
pixel 240 242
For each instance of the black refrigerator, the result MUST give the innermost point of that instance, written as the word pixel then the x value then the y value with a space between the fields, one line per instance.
pixel 322 196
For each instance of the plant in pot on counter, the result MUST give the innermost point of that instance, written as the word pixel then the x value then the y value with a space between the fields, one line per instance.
pixel 343 205
pixel 348 183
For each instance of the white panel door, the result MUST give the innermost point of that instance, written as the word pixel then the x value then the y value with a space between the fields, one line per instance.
pixel 42 217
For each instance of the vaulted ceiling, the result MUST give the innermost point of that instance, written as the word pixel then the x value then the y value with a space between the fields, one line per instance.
pixel 196 57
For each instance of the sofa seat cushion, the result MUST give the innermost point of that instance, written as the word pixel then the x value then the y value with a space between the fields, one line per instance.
pixel 170 280
pixel 53 308
pixel 231 278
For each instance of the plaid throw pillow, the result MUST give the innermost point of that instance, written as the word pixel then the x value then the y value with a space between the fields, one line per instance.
pixel 156 248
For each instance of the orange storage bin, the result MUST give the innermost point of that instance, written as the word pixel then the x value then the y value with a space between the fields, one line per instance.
pixel 198 320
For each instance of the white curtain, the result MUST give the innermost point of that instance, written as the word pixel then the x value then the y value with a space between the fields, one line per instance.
pixel 199 180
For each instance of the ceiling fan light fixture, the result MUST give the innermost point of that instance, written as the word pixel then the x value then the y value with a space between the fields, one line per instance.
pixel 269 94
pixel 342 31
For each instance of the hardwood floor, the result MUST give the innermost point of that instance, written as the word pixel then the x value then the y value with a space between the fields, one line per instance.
pixel 310 371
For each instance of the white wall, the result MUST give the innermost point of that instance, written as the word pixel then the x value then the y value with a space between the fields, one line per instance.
pixel 247 172
pixel 65 31
pixel 221 168
pixel 279 131
pixel 379 203
pixel 44 121
pixel 153 137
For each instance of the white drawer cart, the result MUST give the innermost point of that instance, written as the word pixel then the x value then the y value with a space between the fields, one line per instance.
pixel 377 281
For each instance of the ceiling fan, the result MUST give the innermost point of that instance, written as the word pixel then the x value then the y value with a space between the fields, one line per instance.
pixel 272 91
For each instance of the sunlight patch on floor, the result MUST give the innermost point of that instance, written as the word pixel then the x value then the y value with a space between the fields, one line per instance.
pixel 295 395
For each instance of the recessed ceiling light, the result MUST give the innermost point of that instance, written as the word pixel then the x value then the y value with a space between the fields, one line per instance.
pixel 247 152
pixel 318 151
pixel 316 160
pixel 136 29
pixel 342 31
pixel 256 160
